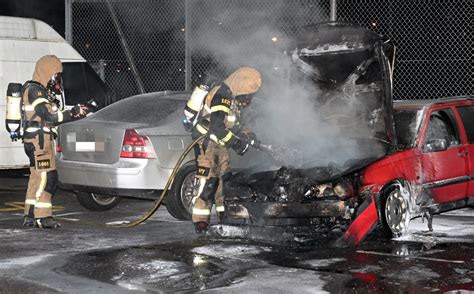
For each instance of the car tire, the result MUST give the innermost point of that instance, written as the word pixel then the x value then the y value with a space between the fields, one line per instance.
pixel 394 212
pixel 97 202
pixel 179 199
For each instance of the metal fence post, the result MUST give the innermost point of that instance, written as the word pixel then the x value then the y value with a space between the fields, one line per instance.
pixel 68 20
pixel 187 40
pixel 333 10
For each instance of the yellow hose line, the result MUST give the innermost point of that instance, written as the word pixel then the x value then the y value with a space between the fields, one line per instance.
pixel 165 189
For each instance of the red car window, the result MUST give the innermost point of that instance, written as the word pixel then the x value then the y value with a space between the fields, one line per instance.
pixel 442 125
pixel 467 117
pixel 406 127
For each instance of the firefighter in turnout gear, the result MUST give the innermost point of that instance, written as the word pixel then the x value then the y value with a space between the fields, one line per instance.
pixel 40 116
pixel 220 121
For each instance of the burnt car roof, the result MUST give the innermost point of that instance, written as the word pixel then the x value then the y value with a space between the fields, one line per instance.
pixel 419 104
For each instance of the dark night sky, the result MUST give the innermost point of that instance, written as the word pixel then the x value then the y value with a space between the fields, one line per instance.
pixel 49 11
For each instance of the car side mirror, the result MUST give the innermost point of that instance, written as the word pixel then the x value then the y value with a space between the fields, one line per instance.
pixel 435 145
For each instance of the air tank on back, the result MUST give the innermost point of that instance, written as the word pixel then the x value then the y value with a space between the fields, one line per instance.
pixel 13 115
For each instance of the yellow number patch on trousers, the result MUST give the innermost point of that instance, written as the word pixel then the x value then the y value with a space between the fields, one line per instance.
pixel 203 171
pixel 43 164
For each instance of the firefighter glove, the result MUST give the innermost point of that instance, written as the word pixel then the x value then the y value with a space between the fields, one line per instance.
pixel 250 135
pixel 92 105
pixel 251 138
pixel 79 111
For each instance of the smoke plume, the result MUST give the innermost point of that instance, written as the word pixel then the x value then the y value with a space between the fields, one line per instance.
pixel 289 113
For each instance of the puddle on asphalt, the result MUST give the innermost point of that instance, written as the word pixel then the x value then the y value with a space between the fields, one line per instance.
pixel 183 266
pixel 213 263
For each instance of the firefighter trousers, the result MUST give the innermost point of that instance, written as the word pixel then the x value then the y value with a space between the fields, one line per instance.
pixel 43 177
pixel 213 163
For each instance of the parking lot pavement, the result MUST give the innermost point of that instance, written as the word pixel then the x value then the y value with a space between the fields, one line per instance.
pixel 165 255
pixel 25 248
pixel 84 228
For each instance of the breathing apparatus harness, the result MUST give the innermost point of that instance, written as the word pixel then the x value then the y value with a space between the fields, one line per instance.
pixel 31 123
pixel 16 122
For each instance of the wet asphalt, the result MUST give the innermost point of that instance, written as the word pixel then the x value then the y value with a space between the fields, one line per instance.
pixel 164 255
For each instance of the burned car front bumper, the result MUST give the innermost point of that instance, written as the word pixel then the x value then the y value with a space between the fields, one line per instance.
pixel 287 197
pixel 285 214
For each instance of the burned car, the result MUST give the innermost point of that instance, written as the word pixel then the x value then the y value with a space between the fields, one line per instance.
pixel 342 122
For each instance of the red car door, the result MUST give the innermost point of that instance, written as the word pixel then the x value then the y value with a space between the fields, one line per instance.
pixel 445 166
pixel 466 113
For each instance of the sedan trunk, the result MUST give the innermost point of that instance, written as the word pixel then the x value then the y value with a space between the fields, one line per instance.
pixel 92 141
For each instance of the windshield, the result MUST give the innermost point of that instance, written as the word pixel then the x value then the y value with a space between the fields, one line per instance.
pixel 406 127
pixel 143 110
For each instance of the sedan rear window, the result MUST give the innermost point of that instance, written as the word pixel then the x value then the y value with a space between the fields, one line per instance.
pixel 146 110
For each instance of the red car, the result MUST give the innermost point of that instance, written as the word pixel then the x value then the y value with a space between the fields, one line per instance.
pixel 433 172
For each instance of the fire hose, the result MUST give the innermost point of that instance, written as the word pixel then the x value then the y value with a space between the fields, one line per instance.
pixel 159 201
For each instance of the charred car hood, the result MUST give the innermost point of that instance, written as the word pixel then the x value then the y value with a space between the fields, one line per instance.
pixel 353 68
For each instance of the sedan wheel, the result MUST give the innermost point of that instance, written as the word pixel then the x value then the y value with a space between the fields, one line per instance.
pixel 189 190
pixel 97 202
pixel 103 200
pixel 179 200
pixel 397 215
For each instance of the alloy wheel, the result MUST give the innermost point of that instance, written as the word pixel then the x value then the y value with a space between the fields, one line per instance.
pixel 189 189
pixel 103 199
pixel 397 213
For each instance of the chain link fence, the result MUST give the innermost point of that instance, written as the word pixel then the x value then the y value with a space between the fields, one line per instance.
pixel 152 45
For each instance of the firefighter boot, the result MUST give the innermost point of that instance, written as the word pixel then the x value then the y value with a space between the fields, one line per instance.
pixel 46 223
pixel 28 221
pixel 201 228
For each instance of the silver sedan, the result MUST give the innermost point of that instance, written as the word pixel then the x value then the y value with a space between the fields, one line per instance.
pixel 128 149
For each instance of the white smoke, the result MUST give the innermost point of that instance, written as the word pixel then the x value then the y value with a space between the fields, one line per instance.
pixel 289 114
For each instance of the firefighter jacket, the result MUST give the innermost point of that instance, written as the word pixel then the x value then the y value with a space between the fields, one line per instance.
pixel 221 112
pixel 40 114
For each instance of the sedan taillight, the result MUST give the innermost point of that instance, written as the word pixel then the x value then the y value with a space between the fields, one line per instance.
pixel 136 146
